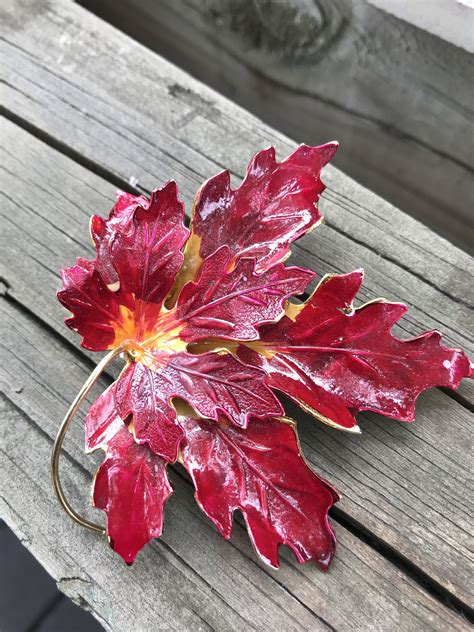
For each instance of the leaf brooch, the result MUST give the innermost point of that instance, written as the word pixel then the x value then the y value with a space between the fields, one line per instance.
pixel 206 324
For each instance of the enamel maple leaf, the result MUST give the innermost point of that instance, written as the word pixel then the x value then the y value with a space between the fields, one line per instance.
pixel 206 324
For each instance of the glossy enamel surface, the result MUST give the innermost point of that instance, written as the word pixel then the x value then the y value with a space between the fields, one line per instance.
pixel 119 295
pixel 338 360
pixel 131 486
pixel 260 471
pixel 103 231
pixel 203 320
pixel 231 304
pixel 138 393
pixel 274 205
pixel 102 421
pixel 211 383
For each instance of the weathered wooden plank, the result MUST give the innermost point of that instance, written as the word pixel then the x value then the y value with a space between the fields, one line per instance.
pixel 451 20
pixel 177 128
pixel 399 99
pixel 390 476
pixel 191 578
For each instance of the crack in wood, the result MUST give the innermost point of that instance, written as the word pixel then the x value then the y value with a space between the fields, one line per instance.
pixel 69 152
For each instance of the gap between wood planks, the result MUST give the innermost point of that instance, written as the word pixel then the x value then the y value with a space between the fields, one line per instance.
pixel 430 585
pixel 119 182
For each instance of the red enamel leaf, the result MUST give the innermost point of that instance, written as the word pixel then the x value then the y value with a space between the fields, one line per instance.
pixel 139 392
pixel 103 421
pixel 274 205
pixel 212 383
pixel 147 258
pixel 131 486
pixel 119 295
pixel 142 298
pixel 340 362
pixel 230 303
pixel 260 471
pixel 95 308
pixel 103 231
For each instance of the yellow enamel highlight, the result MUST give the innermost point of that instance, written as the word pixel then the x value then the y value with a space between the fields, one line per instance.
pixel 162 334
pixel 231 346
pixel 216 344
pixel 127 328
pixel 327 420
pixel 127 325
pixel 192 258
pixel 189 269
pixel 292 310
pixel 167 340
pixel 261 348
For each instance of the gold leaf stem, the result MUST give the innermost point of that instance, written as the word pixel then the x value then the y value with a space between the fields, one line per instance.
pixel 91 380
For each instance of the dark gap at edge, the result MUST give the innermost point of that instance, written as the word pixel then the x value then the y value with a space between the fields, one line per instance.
pixel 458 397
pixel 47 610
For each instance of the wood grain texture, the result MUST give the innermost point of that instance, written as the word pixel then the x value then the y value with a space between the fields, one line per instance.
pixel 191 578
pixel 389 477
pixel 150 121
pixel 399 99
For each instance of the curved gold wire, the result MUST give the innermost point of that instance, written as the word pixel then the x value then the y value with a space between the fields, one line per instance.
pixel 91 380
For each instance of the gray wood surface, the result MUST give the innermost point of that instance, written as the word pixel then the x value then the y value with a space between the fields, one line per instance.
pixel 399 99
pixel 406 484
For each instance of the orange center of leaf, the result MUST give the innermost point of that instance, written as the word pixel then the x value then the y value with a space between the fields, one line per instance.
pixel 143 331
